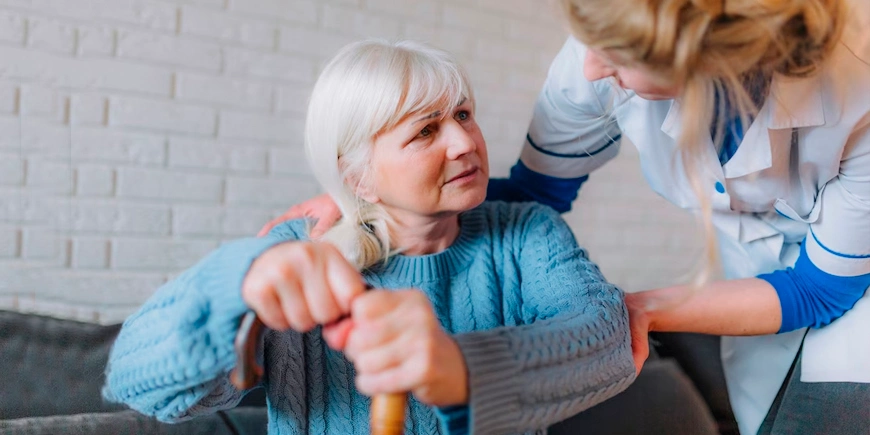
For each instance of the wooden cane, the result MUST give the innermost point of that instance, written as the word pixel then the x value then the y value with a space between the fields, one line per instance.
pixel 387 410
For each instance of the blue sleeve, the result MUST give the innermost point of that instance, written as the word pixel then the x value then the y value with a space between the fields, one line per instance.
pixel 454 419
pixel 526 185
pixel 171 357
pixel 811 297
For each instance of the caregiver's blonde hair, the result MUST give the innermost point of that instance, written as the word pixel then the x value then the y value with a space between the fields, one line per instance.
pixel 368 88
pixel 705 47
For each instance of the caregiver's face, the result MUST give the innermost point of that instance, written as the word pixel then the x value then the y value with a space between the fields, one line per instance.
pixel 431 164
pixel 598 65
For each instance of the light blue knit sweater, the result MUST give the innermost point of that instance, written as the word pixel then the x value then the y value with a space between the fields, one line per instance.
pixel 543 334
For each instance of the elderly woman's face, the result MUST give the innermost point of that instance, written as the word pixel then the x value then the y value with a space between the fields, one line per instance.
pixel 431 165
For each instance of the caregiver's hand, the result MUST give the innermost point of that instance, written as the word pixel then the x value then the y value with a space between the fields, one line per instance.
pixel 639 324
pixel 321 207
pixel 397 345
pixel 299 285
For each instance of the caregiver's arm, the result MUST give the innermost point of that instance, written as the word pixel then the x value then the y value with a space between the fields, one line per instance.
pixel 831 274
pixel 571 134
pixel 172 357
pixel 573 351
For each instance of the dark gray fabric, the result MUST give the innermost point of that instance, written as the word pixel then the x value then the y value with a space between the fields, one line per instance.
pixel 810 408
pixel 661 401
pixel 51 372
pixel 246 421
pixel 52 366
pixel 699 357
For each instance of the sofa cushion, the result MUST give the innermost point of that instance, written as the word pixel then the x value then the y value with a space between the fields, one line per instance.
pixel 239 421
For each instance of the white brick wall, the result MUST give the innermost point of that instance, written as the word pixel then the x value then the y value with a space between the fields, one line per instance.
pixel 137 135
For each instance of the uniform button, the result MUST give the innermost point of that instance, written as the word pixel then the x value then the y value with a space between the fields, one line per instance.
pixel 719 187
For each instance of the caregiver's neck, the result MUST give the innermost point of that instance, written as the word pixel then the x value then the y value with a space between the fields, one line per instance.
pixel 422 235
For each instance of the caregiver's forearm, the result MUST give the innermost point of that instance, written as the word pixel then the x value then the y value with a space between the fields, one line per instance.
pixel 734 307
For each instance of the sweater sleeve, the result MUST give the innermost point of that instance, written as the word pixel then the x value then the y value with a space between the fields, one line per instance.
pixel 172 358
pixel 574 350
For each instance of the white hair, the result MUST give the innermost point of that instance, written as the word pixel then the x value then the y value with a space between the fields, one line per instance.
pixel 368 88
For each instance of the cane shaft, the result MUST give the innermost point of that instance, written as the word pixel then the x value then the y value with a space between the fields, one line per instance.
pixel 388 414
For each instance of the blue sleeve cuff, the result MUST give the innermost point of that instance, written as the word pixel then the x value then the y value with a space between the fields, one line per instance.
pixel 454 419
pixel 526 185
pixel 809 296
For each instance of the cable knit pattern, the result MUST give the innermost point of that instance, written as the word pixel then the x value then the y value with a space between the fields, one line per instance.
pixel 543 334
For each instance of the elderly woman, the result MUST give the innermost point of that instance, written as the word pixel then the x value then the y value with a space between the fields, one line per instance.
pixel 488 313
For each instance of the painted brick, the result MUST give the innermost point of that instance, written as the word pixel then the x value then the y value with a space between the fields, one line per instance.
pixel 161 115
pixel 62 308
pixel 227 27
pixel 491 50
pixel 193 153
pixel 259 127
pixel 223 91
pixel 111 217
pixel 44 245
pixel 249 63
pixel 352 21
pixel 166 185
pixel 168 49
pixel 95 180
pixel 11 27
pixel 196 153
pixel 292 99
pixel 82 74
pixel 11 170
pixel 458 42
pixel 521 9
pixel 148 254
pixel 96 144
pixel 248 159
pixel 10 242
pixel 144 13
pixel 317 43
pixel 45 139
pixel 49 177
pixel 288 161
pixel 10 134
pixel 425 9
pixel 41 102
pixel 8 97
pixel 87 109
pixel 90 253
pixel 463 17
pixel 531 33
pixel 51 35
pixel 197 220
pixel 12 205
pixel 94 288
pixel 297 11
pixel 245 222
pixel 96 41
pixel 275 192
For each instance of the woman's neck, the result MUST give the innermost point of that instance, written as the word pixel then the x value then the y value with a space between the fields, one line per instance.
pixel 419 235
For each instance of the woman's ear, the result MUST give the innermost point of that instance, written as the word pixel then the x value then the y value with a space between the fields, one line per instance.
pixel 361 187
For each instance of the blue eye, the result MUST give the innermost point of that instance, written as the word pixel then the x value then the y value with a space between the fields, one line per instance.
pixel 425 132
pixel 463 115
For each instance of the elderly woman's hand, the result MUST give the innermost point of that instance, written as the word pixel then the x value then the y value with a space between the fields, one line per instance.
pixel 397 345
pixel 300 285
pixel 639 324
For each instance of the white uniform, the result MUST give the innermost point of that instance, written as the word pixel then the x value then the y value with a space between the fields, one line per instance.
pixel 801 172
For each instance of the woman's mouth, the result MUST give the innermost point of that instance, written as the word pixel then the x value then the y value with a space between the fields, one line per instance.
pixel 464 176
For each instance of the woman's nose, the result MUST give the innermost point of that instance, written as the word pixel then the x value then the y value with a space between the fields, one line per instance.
pixel 459 142
pixel 596 68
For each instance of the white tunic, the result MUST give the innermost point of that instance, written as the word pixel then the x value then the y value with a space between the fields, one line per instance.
pixel 802 172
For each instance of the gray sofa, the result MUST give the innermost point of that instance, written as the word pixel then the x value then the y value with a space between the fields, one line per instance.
pixel 51 372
